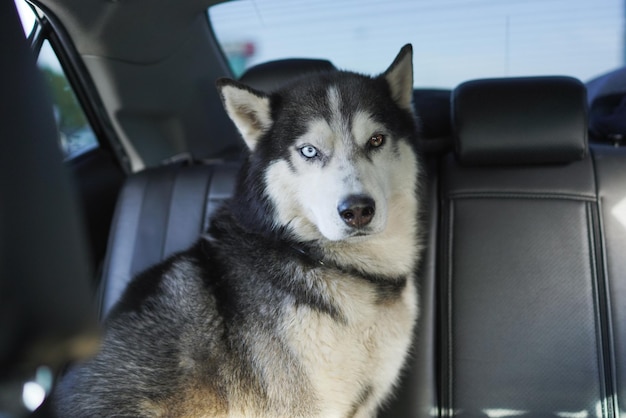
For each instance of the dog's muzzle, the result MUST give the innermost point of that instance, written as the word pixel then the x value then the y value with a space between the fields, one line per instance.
pixel 357 210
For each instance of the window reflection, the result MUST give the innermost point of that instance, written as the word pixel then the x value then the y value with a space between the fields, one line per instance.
pixel 502 413
pixel 619 211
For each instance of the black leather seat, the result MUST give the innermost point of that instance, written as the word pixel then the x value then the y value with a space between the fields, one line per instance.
pixel 161 211
pixel 269 76
pixel 525 317
pixel 610 177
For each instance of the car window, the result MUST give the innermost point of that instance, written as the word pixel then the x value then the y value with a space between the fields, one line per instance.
pixel 453 40
pixel 27 16
pixel 76 136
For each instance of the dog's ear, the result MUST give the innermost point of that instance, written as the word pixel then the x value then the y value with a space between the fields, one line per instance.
pixel 400 77
pixel 249 109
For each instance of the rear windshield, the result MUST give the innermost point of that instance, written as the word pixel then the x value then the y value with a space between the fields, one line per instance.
pixel 453 40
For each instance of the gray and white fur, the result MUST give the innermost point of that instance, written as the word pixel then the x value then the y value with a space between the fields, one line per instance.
pixel 300 299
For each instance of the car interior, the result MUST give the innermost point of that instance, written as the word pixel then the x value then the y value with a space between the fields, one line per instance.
pixel 523 280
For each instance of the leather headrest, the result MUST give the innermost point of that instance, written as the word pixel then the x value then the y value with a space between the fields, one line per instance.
pixel 516 121
pixel 271 75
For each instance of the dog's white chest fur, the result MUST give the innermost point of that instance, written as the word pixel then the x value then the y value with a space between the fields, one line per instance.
pixel 354 362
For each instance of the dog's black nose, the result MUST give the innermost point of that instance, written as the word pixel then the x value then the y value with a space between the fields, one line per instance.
pixel 357 210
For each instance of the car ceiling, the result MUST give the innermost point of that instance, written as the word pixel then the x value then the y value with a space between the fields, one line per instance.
pixel 135 31
pixel 154 64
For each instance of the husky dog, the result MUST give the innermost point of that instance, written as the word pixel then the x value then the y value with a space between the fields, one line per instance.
pixel 299 301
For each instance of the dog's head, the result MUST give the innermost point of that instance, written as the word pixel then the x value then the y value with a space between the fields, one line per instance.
pixel 331 153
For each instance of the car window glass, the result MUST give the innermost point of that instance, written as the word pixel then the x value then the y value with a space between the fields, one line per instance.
pixel 27 16
pixel 75 134
pixel 453 40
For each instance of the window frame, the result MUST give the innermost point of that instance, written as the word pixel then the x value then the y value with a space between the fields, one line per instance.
pixel 47 27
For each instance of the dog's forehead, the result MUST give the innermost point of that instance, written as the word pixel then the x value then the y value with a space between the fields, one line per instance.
pixel 335 94
pixel 337 121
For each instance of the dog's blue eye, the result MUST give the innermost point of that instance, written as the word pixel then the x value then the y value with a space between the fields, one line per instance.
pixel 308 151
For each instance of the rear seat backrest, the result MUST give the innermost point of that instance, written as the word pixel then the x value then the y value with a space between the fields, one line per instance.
pixel 524 309
pixel 610 163
pixel 161 211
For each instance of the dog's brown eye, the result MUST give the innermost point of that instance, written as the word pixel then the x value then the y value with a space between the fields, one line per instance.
pixel 376 140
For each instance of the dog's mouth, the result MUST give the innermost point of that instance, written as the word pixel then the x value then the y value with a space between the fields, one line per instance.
pixel 359 235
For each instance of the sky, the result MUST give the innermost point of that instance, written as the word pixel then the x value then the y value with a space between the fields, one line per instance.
pixel 453 40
